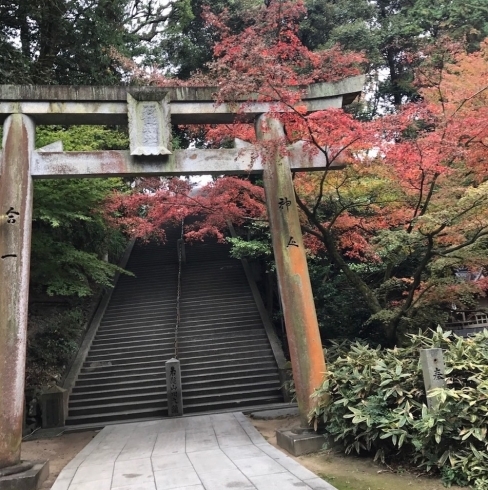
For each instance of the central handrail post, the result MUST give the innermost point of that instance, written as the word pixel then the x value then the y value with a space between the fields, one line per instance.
pixel 173 367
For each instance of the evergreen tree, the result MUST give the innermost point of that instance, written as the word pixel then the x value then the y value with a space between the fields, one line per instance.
pixel 392 32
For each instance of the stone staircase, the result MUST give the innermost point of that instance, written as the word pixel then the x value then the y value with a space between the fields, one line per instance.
pixel 226 358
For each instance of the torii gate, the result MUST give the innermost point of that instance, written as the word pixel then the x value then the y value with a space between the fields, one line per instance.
pixel 149 112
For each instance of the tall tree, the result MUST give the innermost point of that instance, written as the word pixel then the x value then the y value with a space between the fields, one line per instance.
pixel 70 240
pixel 430 215
pixel 72 41
pixel 392 32
pixel 187 44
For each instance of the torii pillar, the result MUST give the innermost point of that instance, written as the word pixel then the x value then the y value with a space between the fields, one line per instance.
pixel 306 353
pixel 16 192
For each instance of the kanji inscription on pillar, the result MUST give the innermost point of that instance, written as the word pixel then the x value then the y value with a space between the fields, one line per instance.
pixel 12 218
pixel 284 203
pixel 149 123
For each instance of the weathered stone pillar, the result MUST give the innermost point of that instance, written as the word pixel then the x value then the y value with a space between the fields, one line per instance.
pixel 302 329
pixel 173 388
pixel 434 372
pixel 16 192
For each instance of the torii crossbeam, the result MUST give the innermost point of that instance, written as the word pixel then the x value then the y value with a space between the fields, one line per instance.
pixel 149 111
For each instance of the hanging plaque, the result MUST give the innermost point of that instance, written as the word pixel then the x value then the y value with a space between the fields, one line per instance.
pixel 149 122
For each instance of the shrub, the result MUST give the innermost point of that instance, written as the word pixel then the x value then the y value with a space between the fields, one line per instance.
pixel 377 404
pixel 52 341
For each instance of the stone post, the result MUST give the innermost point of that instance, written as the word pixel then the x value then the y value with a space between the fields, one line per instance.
pixel 16 190
pixel 173 388
pixel 307 357
pixel 434 372
pixel 53 407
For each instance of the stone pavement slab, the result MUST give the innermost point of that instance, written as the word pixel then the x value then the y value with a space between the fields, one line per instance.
pixel 204 452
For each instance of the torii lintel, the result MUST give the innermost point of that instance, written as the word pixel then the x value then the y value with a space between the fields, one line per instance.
pixel 57 104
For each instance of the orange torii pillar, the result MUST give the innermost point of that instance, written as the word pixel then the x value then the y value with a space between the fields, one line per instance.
pixel 306 353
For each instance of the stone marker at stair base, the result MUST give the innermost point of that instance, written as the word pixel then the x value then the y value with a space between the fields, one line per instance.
pixel 23 106
pixel 173 386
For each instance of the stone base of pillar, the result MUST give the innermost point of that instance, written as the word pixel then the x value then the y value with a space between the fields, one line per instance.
pixel 30 479
pixel 300 441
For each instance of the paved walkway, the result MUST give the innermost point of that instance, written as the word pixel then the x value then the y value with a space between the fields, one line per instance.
pixel 209 452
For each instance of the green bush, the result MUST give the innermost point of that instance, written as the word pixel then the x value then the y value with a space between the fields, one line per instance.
pixel 377 404
pixel 52 341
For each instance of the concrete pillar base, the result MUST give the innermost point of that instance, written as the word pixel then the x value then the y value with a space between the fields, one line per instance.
pixel 300 441
pixel 30 479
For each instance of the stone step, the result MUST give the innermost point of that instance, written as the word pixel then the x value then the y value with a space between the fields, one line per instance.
pixel 204 381
pixel 151 402
pixel 118 361
pixel 135 312
pixel 216 311
pixel 160 325
pixel 106 378
pixel 142 351
pixel 223 322
pixel 88 401
pixel 130 335
pixel 215 283
pixel 227 391
pixel 185 338
pixel 142 326
pixel 144 314
pixel 140 312
pixel 220 345
pixel 118 414
pixel 224 294
pixel 210 337
pixel 140 296
pixel 237 362
pixel 113 383
pixel 199 332
pixel 141 288
pixel 157 338
pixel 192 357
pixel 238 403
pixel 120 348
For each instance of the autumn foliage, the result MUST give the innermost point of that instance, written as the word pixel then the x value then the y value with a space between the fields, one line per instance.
pixel 411 205
pixel 267 59
pixel 414 208
pixel 155 203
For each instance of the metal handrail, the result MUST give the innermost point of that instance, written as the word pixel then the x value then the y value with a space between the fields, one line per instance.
pixel 178 288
